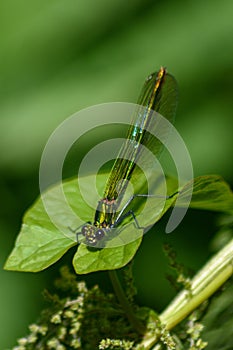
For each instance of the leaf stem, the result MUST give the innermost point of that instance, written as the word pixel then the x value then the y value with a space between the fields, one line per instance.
pixel 137 325
pixel 206 282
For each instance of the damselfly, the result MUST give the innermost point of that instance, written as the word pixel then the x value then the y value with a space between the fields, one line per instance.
pixel 159 94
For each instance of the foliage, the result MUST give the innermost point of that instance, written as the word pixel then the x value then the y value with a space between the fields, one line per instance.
pixel 40 243
pixel 85 318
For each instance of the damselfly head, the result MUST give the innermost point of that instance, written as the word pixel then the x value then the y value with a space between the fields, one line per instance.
pixel 92 234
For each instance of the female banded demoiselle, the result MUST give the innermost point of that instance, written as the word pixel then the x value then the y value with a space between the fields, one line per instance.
pixel 159 94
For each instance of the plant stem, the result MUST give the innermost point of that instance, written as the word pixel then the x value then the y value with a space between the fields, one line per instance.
pixel 137 325
pixel 207 281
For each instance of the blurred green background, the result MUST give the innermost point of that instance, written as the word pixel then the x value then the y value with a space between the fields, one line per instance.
pixel 57 57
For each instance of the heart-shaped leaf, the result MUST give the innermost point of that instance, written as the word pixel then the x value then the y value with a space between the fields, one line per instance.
pixel 49 226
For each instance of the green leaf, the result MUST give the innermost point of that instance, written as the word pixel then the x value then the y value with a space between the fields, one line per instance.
pixel 92 259
pixel 42 242
pixel 209 192
pixel 37 248
pixel 48 226
pixel 48 229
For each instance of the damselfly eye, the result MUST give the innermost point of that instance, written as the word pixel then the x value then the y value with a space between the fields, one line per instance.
pixel 99 234
pixel 86 230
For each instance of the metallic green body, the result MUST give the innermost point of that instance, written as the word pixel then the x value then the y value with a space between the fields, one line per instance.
pixel 159 94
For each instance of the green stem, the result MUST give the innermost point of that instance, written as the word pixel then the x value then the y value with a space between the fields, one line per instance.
pixel 137 325
pixel 206 282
